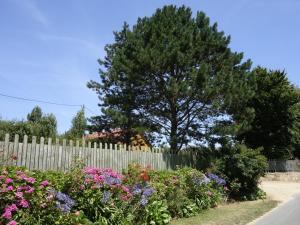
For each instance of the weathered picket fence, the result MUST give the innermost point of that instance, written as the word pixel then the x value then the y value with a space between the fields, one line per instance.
pixel 59 155
pixel 283 165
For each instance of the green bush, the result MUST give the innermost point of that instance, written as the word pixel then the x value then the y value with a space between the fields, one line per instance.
pixel 243 168
pixel 95 196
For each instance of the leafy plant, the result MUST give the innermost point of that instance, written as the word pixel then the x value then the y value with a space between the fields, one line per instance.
pixel 243 168
pixel 157 213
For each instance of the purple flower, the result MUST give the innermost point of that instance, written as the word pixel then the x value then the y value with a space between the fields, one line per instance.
pixel 148 191
pixel 200 180
pixel 105 197
pixel 144 200
pixel 137 189
pixel 217 179
pixel 64 203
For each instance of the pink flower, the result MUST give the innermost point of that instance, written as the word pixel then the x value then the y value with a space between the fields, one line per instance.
pixel 12 223
pixel 2 177
pixel 8 180
pixel 19 194
pixel 7 214
pixel 87 180
pixel 30 190
pixel 20 173
pixel 12 207
pixel 10 188
pixel 19 188
pixel 82 187
pixel 50 197
pixel 45 183
pixel 29 179
pixel 126 189
pixel 24 203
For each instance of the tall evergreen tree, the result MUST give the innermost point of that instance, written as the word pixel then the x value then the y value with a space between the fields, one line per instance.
pixel 35 115
pixel 276 125
pixel 173 74
pixel 79 125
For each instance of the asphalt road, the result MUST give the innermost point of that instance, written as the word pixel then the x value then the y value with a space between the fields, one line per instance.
pixel 286 214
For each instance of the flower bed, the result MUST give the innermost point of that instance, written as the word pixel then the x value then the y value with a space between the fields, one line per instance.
pixel 103 196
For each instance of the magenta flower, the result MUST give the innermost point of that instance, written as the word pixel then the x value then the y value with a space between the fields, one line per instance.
pixel 19 194
pixel 10 188
pixel 12 207
pixel 12 223
pixel 29 179
pixel 30 190
pixel 45 183
pixel 7 214
pixel 8 180
pixel 20 173
pixel 126 189
pixel 24 203
pixel 19 188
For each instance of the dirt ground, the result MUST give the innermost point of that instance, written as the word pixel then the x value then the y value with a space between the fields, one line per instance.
pixel 280 190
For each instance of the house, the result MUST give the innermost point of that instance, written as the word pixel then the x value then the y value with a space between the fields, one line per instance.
pixel 115 136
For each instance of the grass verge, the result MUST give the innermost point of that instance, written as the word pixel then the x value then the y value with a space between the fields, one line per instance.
pixel 239 213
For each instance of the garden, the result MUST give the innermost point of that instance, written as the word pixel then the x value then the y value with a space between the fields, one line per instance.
pixel 138 195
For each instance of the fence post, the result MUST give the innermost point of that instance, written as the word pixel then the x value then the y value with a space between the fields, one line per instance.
pixel 15 150
pixel 5 150
pixel 42 159
pixel 49 154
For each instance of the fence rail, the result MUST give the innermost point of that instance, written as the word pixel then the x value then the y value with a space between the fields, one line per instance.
pixel 58 155
pixel 282 165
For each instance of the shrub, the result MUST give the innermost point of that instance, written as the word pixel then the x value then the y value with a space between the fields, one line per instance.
pixel 104 197
pixel 157 213
pixel 29 200
pixel 243 168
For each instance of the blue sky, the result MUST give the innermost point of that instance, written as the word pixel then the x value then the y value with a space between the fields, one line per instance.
pixel 49 48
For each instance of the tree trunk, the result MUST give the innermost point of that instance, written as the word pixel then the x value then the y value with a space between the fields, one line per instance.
pixel 173 135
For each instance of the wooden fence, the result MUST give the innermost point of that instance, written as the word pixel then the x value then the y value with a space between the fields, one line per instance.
pixel 283 165
pixel 59 155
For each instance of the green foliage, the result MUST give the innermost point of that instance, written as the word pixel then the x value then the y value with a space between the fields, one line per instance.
pixel 36 115
pixel 242 168
pixel 185 66
pixel 33 199
pixel 79 126
pixel 157 213
pixel 276 125
pixel 38 124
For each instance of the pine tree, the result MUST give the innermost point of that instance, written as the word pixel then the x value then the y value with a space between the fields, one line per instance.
pixel 172 74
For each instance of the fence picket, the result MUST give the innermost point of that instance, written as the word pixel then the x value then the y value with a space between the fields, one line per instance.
pixel 58 156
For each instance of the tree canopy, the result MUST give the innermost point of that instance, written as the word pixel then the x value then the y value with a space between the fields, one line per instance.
pixel 79 125
pixel 37 124
pixel 173 74
pixel 276 125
